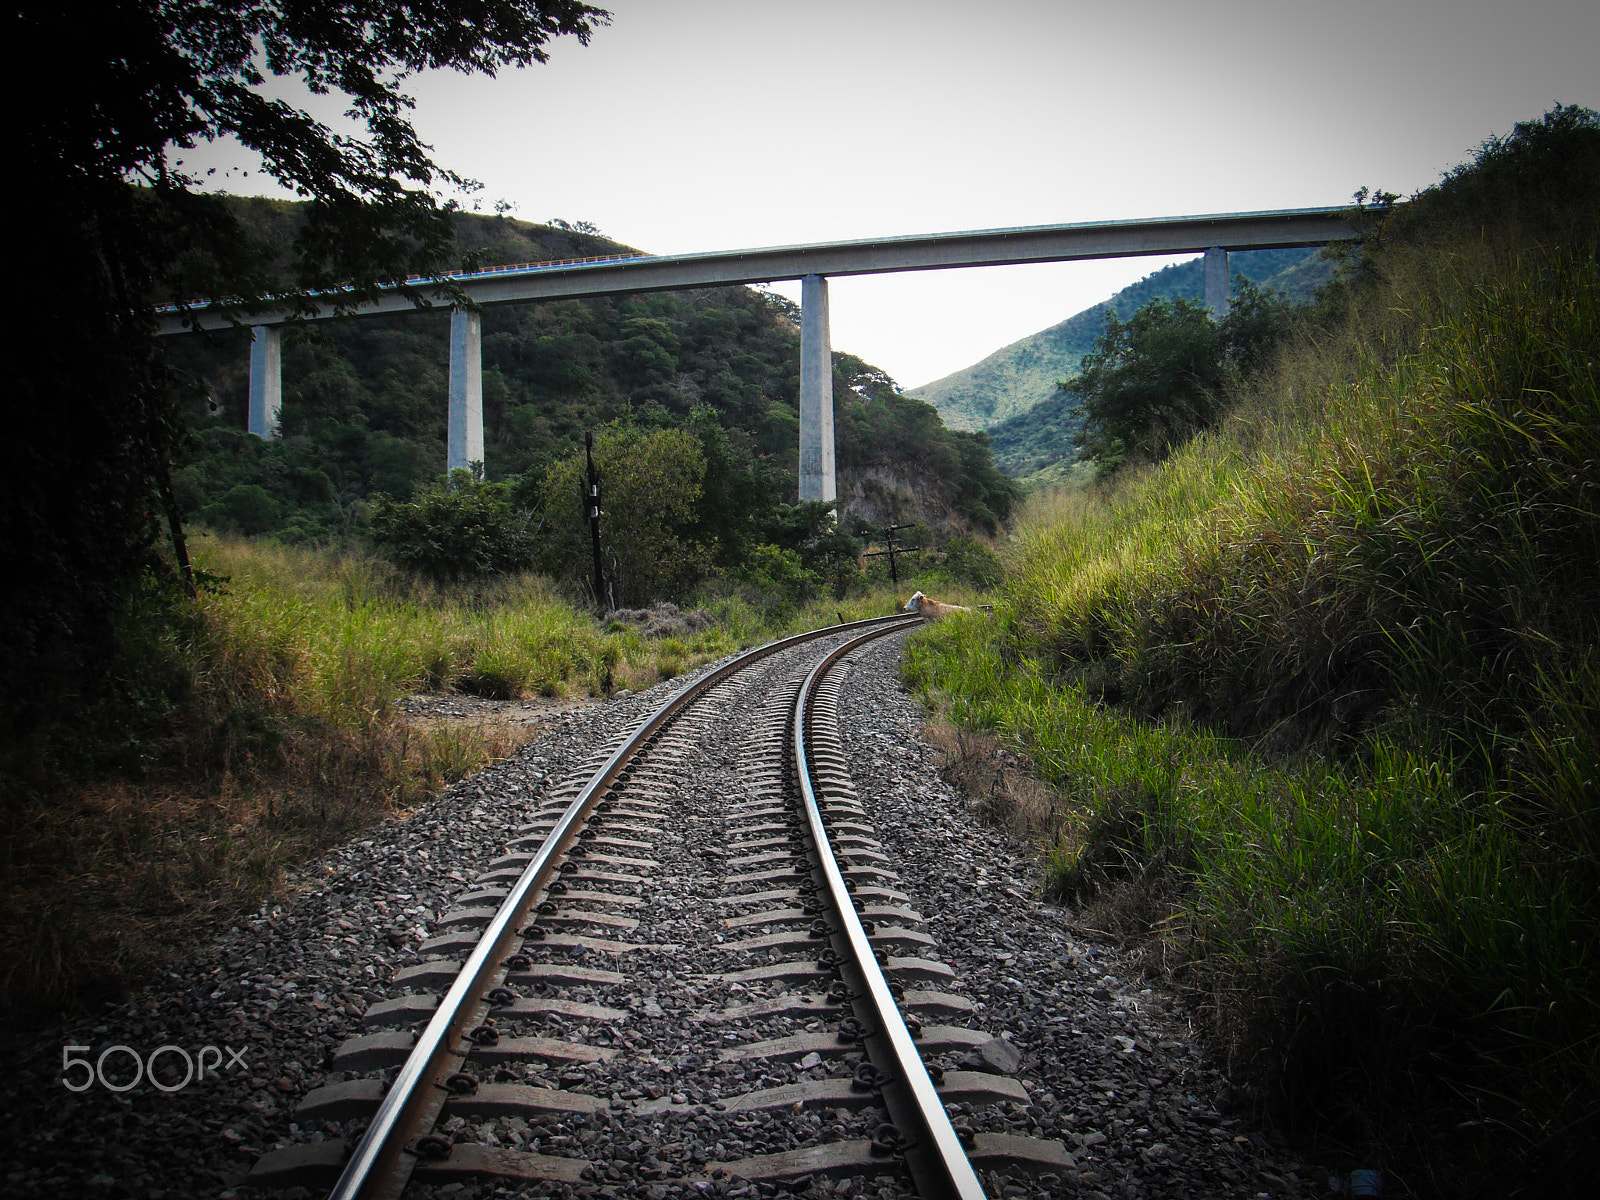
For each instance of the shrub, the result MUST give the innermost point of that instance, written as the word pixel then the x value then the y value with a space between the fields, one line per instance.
pixel 967 560
pixel 780 573
pixel 1155 380
pixel 459 529
pixel 649 482
pixel 244 508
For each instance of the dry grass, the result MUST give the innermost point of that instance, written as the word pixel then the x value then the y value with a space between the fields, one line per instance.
pixel 104 881
pixel 268 722
pixel 999 786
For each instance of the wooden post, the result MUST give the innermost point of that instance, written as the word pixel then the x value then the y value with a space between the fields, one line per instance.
pixel 894 572
pixel 591 505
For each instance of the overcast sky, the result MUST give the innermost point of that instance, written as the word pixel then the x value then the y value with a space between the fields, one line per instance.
pixel 691 125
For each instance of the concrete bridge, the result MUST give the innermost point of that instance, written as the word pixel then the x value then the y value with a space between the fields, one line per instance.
pixel 1213 235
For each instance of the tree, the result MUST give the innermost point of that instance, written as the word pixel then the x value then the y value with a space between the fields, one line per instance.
pixel 811 531
pixel 738 493
pixel 877 426
pixel 120 225
pixel 1155 380
pixel 459 529
pixel 650 482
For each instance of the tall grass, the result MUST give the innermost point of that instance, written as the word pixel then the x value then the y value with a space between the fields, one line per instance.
pixel 269 727
pixel 342 637
pixel 1319 700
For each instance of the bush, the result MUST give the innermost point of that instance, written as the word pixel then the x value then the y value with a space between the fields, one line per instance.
pixel 649 483
pixel 1155 380
pixel 245 508
pixel 779 572
pixel 460 529
pixel 967 560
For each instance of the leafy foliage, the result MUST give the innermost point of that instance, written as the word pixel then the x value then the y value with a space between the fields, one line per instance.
pixel 1008 384
pixel 1156 379
pixel 1044 435
pixel 776 572
pixel 244 508
pixel 86 463
pixel 878 427
pixel 825 548
pixel 460 529
pixel 969 560
pixel 1534 186
pixel 650 482
pixel 364 405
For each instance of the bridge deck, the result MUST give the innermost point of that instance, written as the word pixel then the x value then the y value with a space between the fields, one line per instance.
pixel 1274 230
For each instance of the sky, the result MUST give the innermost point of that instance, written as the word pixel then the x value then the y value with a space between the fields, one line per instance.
pixel 693 125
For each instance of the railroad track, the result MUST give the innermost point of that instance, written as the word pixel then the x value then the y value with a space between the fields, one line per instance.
pixel 691 967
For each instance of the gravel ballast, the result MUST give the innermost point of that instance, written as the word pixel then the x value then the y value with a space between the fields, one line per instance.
pixel 1111 1063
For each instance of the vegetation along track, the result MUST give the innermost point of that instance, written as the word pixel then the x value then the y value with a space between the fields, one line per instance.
pixel 638 864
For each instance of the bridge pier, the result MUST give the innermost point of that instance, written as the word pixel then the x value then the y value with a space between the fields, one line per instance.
pixel 466 390
pixel 1217 282
pixel 817 480
pixel 266 379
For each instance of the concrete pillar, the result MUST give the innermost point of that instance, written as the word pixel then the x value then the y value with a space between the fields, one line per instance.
pixel 1217 283
pixel 266 379
pixel 817 480
pixel 466 389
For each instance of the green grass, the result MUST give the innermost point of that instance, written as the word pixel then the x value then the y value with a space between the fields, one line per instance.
pixel 262 725
pixel 1318 699
pixel 341 637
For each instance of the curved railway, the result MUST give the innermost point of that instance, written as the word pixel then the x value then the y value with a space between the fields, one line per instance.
pixel 648 909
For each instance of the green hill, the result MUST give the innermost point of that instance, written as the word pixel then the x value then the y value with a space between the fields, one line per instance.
pixel 364 401
pixel 1034 440
pixel 1017 377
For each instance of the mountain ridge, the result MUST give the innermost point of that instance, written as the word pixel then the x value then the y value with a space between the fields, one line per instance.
pixel 1016 378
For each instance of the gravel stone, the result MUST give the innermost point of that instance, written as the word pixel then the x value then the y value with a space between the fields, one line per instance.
pixel 1114 1063
pixel 1111 1063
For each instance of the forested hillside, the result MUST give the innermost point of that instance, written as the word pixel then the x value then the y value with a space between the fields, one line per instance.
pixel 364 404
pixel 1016 378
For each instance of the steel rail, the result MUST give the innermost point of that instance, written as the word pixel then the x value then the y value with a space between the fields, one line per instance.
pixel 939 1166
pixel 382 1162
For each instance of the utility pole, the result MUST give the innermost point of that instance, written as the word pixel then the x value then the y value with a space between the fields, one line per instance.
pixel 591 509
pixel 889 530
